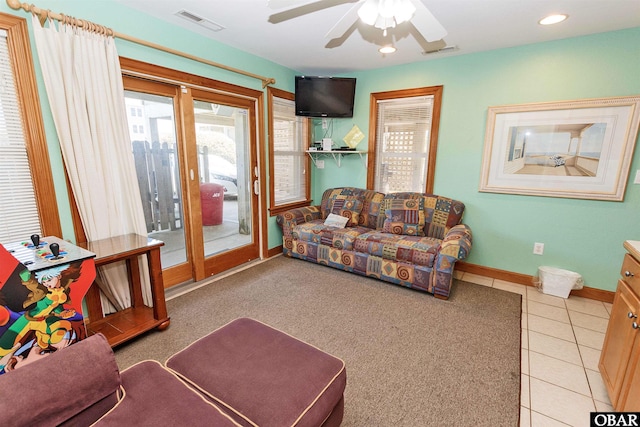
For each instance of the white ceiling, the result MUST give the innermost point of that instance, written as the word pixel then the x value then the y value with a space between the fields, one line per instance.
pixel 472 26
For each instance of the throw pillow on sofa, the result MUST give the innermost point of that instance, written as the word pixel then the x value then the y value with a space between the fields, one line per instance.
pixel 404 216
pixel 334 220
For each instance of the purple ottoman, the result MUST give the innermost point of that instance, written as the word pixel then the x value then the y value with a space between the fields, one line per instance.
pixel 263 377
pixel 156 397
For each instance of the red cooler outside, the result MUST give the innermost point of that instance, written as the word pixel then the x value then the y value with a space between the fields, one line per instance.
pixel 211 198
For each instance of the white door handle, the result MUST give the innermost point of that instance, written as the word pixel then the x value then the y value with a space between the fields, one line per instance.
pixel 256 187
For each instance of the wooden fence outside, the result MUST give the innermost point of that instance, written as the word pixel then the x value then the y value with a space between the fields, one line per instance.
pixel 159 183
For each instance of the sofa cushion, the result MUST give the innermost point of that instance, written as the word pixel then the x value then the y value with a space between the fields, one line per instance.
pixel 441 214
pixel 64 384
pixel 388 200
pixel 370 199
pixel 316 232
pixel 370 208
pixel 348 207
pixel 331 194
pixel 156 397
pixel 412 249
pixel 403 216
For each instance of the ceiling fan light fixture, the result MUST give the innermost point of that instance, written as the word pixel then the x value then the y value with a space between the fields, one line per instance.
pixel 387 49
pixel 404 11
pixel 384 23
pixel 385 14
pixel 552 19
pixel 368 12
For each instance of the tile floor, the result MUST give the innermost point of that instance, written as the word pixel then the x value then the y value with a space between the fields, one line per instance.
pixel 561 344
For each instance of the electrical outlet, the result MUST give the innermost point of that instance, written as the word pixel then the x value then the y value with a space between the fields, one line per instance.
pixel 637 178
pixel 320 164
pixel 538 248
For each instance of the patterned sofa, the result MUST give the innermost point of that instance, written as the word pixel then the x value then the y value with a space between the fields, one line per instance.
pixel 410 239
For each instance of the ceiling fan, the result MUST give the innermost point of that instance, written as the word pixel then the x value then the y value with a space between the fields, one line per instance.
pixel 382 14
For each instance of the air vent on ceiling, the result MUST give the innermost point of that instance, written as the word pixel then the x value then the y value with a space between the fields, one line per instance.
pixel 441 50
pixel 199 20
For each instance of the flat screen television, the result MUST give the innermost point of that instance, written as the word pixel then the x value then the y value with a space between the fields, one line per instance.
pixel 324 96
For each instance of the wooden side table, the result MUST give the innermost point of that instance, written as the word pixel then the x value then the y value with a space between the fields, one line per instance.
pixel 126 324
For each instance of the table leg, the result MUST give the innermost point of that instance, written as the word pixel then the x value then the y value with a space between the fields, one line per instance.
pixel 93 303
pixel 157 285
pixel 135 283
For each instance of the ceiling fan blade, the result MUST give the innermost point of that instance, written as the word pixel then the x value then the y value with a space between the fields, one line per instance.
pixel 427 47
pixel 305 9
pixel 426 23
pixel 347 20
pixel 338 41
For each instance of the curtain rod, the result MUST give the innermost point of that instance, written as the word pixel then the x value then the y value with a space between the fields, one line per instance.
pixel 44 14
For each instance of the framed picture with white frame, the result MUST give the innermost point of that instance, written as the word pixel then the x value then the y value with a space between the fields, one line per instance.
pixel 576 149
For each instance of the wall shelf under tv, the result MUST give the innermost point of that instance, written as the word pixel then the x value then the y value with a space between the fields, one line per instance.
pixel 337 156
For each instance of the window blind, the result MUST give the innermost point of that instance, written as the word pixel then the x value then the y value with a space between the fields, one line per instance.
pixel 402 143
pixel 18 210
pixel 288 153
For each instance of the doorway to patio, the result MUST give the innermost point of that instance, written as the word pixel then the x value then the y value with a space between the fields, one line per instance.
pixel 195 153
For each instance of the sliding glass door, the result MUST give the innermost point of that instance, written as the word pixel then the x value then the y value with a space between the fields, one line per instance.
pixel 195 162
pixel 224 134
pixel 152 112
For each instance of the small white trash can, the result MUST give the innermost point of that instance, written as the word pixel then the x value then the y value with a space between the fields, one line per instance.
pixel 558 282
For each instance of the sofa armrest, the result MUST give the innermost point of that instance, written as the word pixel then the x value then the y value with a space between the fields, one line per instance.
pixel 74 385
pixel 289 219
pixel 456 243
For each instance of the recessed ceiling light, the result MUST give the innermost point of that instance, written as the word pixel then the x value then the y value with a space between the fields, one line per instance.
pixel 552 19
pixel 387 49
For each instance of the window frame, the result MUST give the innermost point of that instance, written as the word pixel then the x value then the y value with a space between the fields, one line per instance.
pixel 275 209
pixel 33 125
pixel 436 92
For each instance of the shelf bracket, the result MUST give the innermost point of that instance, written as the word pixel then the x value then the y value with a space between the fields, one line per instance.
pixel 337 156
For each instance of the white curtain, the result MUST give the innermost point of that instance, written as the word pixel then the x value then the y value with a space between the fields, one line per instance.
pixel 83 79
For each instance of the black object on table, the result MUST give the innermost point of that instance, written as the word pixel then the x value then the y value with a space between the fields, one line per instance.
pixel 55 250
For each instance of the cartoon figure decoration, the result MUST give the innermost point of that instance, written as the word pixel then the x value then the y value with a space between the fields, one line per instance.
pixel 40 311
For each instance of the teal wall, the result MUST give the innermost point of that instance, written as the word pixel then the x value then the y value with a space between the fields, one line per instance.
pixel 580 235
pixel 585 236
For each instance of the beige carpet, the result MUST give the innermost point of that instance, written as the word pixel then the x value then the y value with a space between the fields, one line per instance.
pixel 412 360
